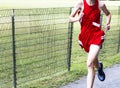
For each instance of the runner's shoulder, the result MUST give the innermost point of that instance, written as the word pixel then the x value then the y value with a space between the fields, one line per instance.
pixel 101 4
pixel 79 3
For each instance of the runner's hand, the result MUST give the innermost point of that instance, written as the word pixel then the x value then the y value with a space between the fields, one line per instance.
pixel 107 27
pixel 81 14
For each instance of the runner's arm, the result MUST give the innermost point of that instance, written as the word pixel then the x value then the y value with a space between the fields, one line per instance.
pixel 107 13
pixel 75 10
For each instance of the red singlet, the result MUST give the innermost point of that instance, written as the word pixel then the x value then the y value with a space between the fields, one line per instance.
pixel 91 32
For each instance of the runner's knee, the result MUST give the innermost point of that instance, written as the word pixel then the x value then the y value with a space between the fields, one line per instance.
pixel 90 64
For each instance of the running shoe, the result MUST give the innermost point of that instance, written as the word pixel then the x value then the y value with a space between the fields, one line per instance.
pixel 101 74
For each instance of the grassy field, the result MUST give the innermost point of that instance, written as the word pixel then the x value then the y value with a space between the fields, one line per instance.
pixel 78 65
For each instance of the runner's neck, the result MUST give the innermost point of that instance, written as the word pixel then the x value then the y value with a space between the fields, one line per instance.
pixel 90 2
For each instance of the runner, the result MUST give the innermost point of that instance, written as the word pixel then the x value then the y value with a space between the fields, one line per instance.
pixel 91 36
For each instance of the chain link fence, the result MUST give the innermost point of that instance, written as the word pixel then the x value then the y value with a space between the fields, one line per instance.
pixel 34 44
pixel 6 61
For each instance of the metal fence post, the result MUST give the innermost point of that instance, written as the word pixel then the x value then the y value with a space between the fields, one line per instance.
pixel 13 49
pixel 70 31
pixel 101 19
pixel 118 50
pixel 119 30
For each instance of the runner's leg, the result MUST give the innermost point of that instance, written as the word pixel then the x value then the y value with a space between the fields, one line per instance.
pixel 92 56
pixel 96 63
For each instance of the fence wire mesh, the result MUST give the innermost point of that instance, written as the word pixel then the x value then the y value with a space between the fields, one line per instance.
pixel 41 42
pixel 6 61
